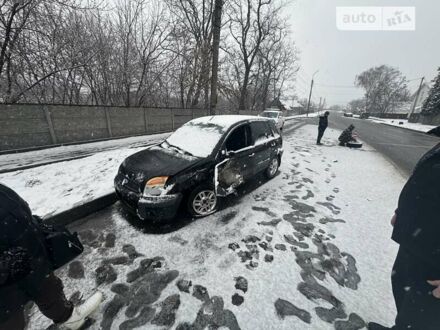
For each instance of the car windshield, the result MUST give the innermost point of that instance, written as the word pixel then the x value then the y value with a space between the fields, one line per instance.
pixel 271 114
pixel 196 138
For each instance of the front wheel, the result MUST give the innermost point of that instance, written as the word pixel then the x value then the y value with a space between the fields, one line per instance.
pixel 203 201
pixel 272 169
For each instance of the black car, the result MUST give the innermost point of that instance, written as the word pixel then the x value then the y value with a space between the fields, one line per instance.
pixel 203 160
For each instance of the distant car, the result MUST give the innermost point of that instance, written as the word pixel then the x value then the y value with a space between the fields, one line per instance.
pixel 276 116
pixel 205 159
pixel 365 115
pixel 348 114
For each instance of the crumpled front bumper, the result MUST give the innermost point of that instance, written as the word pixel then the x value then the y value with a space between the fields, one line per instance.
pixel 163 207
pixel 154 208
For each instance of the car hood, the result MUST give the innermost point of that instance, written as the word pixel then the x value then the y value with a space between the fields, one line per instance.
pixel 155 161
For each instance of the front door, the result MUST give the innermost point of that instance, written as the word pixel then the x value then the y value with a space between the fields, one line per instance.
pixel 262 138
pixel 236 166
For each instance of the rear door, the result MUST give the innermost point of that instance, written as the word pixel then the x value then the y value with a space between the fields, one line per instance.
pixel 236 165
pixel 262 139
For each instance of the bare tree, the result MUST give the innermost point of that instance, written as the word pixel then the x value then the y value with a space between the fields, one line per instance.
pixel 144 52
pixel 384 86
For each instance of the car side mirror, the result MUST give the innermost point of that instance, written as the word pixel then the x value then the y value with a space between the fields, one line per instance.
pixel 230 153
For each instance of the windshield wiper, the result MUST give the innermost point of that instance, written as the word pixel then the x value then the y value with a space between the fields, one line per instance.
pixel 178 149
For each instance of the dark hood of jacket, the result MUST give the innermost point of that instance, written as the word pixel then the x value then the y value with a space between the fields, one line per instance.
pixel 156 161
pixel 418 215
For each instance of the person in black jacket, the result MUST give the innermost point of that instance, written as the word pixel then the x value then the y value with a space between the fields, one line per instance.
pixel 416 271
pixel 347 136
pixel 322 126
pixel 26 272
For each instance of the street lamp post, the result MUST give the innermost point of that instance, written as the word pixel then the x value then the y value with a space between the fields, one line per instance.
pixel 310 94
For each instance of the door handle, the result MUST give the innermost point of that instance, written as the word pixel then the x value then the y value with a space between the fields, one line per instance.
pixel 252 155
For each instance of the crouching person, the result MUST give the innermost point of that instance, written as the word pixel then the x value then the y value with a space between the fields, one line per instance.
pixel 26 273
pixel 347 136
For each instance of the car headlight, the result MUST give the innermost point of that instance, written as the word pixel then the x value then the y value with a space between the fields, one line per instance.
pixel 155 186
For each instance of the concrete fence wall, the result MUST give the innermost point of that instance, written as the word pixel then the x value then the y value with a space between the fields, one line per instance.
pixel 32 125
pixel 430 120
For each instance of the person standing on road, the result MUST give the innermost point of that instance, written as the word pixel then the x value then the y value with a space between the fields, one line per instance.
pixel 416 271
pixel 26 273
pixel 322 126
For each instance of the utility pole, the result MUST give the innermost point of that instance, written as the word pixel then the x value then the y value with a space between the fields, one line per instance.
pixel 319 106
pixel 413 108
pixel 310 94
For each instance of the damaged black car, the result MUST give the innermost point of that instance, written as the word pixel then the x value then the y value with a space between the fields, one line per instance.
pixel 202 161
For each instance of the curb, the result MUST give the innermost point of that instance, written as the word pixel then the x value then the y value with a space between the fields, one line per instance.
pixel 78 212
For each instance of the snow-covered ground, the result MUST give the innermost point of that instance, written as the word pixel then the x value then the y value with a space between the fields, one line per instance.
pixel 39 157
pixel 54 188
pixel 311 115
pixel 404 123
pixel 312 246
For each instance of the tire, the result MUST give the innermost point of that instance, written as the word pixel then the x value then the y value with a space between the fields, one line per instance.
pixel 202 201
pixel 272 169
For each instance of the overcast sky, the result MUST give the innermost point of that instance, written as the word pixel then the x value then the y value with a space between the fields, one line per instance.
pixel 341 55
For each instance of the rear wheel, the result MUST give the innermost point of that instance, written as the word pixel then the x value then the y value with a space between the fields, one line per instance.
pixel 203 201
pixel 272 169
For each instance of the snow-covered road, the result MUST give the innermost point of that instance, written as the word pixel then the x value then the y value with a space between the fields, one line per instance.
pixel 309 249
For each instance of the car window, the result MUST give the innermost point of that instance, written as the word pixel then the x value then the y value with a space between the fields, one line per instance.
pixel 271 114
pixel 238 139
pixel 274 128
pixel 260 131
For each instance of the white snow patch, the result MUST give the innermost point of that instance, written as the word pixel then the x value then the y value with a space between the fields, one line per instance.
pixel 38 157
pixel 54 188
pixel 404 124
pixel 310 115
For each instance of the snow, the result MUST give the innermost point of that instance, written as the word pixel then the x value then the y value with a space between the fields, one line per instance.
pixel 405 124
pixel 199 139
pixel 225 121
pixel 41 157
pixel 200 136
pixel 353 180
pixel 54 188
pixel 311 115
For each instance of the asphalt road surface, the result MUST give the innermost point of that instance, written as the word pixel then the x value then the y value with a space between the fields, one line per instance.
pixel 402 146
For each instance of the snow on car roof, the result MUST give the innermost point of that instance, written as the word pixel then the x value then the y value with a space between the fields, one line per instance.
pixel 200 136
pixel 224 121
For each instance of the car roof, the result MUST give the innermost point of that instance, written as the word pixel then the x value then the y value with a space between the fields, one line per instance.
pixel 226 121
